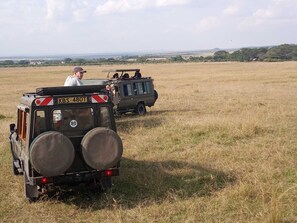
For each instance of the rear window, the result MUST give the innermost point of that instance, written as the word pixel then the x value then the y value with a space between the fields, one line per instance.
pixel 74 121
pixel 105 117
pixel 39 123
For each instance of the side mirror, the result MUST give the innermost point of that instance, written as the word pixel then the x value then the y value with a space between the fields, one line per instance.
pixel 12 128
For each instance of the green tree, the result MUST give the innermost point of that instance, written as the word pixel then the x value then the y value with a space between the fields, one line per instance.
pixel 141 59
pixel 8 62
pixel 177 58
pixel 281 53
pixel 80 61
pixel 23 62
pixel 67 60
pixel 221 55
pixel 237 56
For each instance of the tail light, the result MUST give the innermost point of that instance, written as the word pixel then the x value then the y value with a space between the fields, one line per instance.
pixel 111 172
pixel 108 173
pixel 44 180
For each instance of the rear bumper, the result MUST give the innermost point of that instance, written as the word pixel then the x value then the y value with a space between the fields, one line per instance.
pixel 73 178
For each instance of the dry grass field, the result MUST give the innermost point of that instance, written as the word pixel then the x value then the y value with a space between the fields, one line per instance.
pixel 220 145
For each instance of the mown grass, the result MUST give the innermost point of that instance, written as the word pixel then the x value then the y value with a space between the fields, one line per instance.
pixel 218 146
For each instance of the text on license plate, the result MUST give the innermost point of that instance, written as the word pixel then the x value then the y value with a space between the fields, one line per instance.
pixel 67 100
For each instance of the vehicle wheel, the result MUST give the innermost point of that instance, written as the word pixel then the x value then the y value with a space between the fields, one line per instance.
pixel 15 170
pixel 32 199
pixel 105 183
pixel 17 167
pixel 156 95
pixel 140 109
pixel 31 192
pixel 118 113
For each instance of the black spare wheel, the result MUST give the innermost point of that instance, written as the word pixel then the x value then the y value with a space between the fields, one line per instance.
pixel 102 148
pixel 51 153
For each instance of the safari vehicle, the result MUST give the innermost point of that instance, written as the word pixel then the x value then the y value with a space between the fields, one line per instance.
pixel 130 91
pixel 63 136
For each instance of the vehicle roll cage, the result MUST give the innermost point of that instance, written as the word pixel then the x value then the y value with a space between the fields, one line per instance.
pixel 121 72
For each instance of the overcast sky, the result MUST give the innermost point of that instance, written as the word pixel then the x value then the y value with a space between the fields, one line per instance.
pixel 50 27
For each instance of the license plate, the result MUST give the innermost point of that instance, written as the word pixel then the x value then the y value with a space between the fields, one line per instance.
pixel 68 100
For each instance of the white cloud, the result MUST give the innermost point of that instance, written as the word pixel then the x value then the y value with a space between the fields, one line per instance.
pixel 277 13
pixel 278 9
pixel 80 10
pixel 171 2
pixel 122 6
pixel 284 1
pixel 231 10
pixel 265 13
pixel 67 10
pixel 207 23
pixel 55 7
pixel 114 6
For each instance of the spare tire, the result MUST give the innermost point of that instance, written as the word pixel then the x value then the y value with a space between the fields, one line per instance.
pixel 101 148
pixel 51 153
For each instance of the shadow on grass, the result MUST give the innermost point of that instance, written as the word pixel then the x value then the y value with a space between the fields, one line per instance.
pixel 157 112
pixel 143 183
pixel 127 125
pixel 166 111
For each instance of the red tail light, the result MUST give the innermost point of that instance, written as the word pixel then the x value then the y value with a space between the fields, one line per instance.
pixel 108 173
pixel 44 180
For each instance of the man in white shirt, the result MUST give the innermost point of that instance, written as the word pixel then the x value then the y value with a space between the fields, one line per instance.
pixel 75 79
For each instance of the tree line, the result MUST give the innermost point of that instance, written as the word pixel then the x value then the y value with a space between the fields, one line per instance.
pixel 284 52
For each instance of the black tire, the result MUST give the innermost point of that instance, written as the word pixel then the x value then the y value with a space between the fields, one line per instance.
pixel 156 95
pixel 15 170
pixel 105 184
pixel 32 199
pixel 31 191
pixel 140 109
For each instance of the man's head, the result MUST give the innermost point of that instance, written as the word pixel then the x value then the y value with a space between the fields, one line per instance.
pixel 78 72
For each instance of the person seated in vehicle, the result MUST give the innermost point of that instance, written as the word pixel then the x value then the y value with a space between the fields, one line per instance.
pixel 39 126
pixel 137 75
pixel 116 75
pixel 125 76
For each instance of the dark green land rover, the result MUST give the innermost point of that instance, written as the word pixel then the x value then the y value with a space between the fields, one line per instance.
pixel 130 91
pixel 65 135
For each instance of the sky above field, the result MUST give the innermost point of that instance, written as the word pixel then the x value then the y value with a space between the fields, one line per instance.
pixel 50 27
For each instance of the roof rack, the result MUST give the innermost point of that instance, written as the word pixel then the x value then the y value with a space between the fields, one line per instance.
pixel 121 70
pixel 70 90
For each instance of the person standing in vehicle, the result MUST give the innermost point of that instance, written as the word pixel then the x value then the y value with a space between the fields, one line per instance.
pixel 75 79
